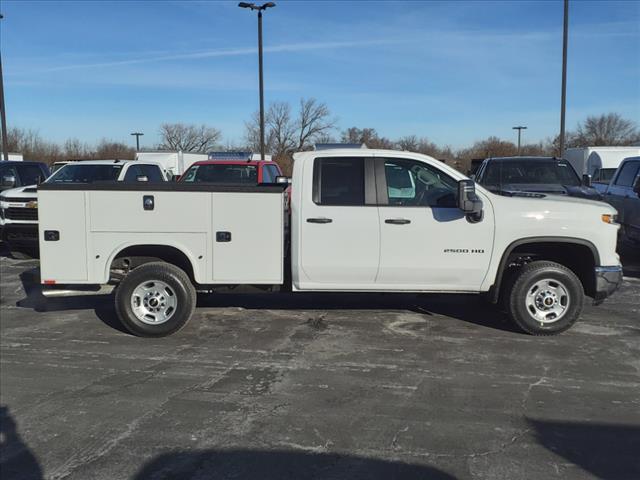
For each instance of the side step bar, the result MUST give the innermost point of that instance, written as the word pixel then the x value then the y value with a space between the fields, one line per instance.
pixel 52 291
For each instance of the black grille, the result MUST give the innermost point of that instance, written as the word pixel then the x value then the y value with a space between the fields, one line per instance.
pixel 20 200
pixel 13 213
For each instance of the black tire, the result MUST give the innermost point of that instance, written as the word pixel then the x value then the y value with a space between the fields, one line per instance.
pixel 523 283
pixel 180 285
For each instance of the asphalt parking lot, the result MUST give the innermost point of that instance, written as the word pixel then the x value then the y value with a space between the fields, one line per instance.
pixel 323 387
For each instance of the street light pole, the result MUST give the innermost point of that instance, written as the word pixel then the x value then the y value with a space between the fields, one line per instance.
pixel 563 106
pixel 261 85
pixel 3 114
pixel 260 9
pixel 137 135
pixel 519 128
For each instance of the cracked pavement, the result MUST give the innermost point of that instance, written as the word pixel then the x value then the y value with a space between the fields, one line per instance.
pixel 322 386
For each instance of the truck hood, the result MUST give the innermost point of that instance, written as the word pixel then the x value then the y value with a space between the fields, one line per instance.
pixel 548 202
pixel 579 191
pixel 26 193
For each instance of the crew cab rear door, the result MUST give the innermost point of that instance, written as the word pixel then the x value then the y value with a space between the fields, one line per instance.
pixel 426 242
pixel 339 225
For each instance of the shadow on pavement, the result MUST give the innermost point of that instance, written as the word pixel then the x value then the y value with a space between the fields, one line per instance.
pixel 278 464
pixel 606 451
pixel 16 459
pixel 468 308
pixel 102 304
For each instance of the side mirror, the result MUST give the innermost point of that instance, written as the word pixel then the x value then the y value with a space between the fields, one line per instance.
pixel 283 180
pixel 586 180
pixel 8 181
pixel 468 201
pixel 636 186
pixel 142 178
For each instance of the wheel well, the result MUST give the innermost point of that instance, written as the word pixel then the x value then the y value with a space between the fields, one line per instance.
pixel 136 255
pixel 579 258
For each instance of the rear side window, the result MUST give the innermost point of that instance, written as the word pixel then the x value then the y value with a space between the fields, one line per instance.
pixel 338 181
pixel 133 173
pixel 628 174
pixel 267 175
pixel 152 172
pixel 274 171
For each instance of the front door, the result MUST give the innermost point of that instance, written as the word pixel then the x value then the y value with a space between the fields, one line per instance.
pixel 426 242
pixel 339 227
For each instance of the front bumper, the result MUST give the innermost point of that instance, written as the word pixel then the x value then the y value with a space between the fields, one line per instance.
pixel 20 233
pixel 608 280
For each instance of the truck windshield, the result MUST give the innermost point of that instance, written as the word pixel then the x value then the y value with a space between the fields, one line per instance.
pixel 220 173
pixel 531 172
pixel 85 173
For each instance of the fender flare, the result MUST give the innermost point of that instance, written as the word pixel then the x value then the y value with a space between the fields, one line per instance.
pixel 494 291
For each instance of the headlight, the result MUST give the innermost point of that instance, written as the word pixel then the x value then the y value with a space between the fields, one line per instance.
pixel 610 218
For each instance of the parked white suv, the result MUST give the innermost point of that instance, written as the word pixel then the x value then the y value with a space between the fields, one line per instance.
pixel 19 206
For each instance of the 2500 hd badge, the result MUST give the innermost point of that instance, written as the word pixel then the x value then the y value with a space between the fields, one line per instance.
pixel 463 250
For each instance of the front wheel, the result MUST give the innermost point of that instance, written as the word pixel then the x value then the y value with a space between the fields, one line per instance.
pixel 545 298
pixel 155 300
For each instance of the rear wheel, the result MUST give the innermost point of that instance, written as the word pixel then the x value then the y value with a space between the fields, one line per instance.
pixel 155 300
pixel 545 298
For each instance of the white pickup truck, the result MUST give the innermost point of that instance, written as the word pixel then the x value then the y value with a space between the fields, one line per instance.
pixel 361 221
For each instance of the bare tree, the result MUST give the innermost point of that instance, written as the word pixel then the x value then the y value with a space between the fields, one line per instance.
pixel 408 143
pixel 108 150
pixel 74 149
pixel 188 138
pixel 606 129
pixel 368 136
pixel 32 146
pixel 314 123
pixel 285 135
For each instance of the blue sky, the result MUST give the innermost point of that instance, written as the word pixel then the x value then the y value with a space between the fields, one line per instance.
pixel 455 72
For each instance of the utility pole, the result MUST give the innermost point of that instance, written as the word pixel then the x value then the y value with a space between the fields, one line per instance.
pixel 519 131
pixel 260 9
pixel 3 114
pixel 137 135
pixel 563 106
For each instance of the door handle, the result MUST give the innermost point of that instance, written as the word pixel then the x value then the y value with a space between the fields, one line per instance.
pixel 319 220
pixel 397 221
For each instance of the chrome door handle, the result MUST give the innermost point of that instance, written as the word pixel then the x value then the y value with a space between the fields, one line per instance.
pixel 397 221
pixel 319 220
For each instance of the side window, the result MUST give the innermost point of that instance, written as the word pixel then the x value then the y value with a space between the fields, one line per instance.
pixel 417 184
pixel 628 174
pixel 274 171
pixel 133 172
pixel 152 172
pixel 267 175
pixel 338 181
pixel 30 174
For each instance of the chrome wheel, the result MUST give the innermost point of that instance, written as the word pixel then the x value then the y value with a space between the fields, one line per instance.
pixel 547 300
pixel 153 302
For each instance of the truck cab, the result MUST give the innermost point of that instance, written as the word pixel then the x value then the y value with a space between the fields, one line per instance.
pixel 623 193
